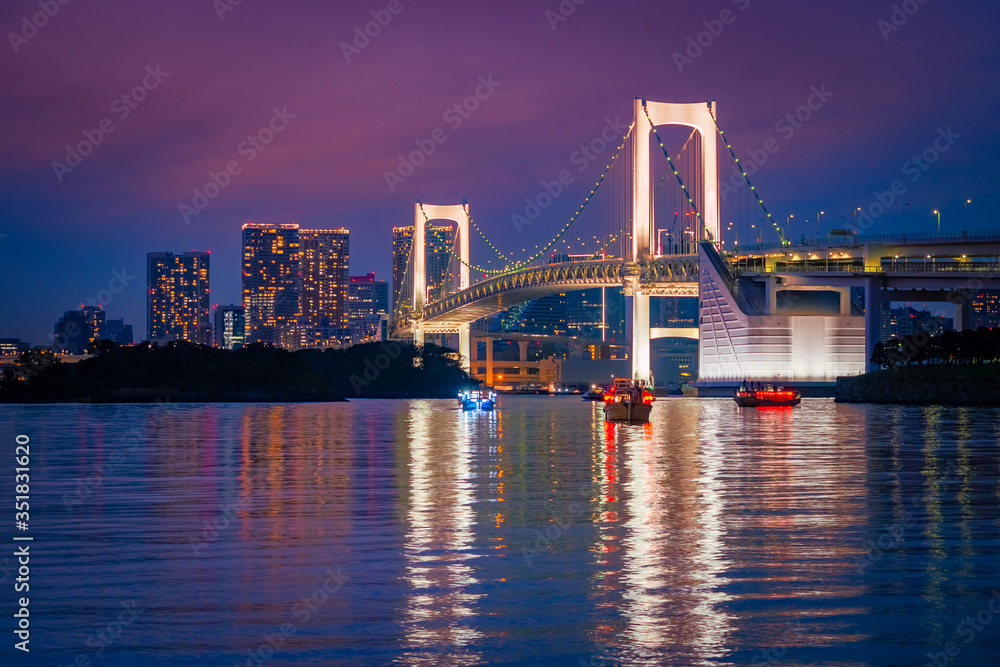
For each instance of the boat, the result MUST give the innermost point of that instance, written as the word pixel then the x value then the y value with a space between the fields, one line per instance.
pixel 628 401
pixel 477 399
pixel 595 393
pixel 768 397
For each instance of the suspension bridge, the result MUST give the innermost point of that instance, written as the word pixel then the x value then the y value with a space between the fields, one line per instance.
pixel 652 225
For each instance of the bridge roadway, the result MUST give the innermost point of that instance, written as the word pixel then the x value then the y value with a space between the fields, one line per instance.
pixel 668 275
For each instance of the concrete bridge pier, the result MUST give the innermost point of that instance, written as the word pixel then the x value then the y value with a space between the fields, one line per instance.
pixel 489 362
pixel 465 346
pixel 874 298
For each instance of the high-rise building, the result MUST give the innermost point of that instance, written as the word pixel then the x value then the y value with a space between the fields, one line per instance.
pixel 272 284
pixel 177 297
pixel 369 300
pixel 324 261
pixel 230 327
pixel 117 331
pixel 986 309
pixel 438 243
pixel 402 239
pixel 77 329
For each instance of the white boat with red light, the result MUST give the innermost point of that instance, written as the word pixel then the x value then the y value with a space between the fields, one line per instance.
pixel 628 401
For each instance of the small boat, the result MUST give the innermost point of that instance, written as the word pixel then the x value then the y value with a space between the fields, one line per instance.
pixel 477 399
pixel 767 397
pixel 595 393
pixel 628 401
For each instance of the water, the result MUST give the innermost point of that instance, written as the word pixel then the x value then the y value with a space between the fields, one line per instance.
pixel 407 532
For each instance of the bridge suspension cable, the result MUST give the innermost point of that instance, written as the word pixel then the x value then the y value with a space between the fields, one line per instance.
pixel 548 246
pixel 747 179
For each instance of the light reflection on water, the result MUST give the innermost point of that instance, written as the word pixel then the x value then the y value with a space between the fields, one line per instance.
pixel 824 534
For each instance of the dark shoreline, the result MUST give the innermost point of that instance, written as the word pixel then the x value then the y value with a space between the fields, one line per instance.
pixel 971 385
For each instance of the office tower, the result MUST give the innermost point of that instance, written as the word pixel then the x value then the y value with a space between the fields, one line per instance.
pixel 547 315
pixel 230 327
pixel 324 260
pixel 369 301
pixel 272 284
pixel 402 239
pixel 986 309
pixel 674 311
pixel 438 243
pixel 177 297
pixel 117 331
pixel 77 329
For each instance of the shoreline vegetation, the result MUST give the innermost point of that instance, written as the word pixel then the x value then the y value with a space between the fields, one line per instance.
pixel 186 372
pixel 955 368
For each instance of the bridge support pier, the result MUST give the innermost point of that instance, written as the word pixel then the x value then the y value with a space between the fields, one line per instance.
pixel 489 362
pixel 640 338
pixel 465 346
pixel 874 299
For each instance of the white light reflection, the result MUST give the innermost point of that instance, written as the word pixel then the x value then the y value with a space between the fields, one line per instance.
pixel 439 540
pixel 672 556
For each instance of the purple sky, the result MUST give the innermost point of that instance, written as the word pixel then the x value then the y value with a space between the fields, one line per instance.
pixel 352 120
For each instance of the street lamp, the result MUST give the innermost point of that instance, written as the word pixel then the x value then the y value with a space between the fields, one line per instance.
pixel 938 214
pixel 670 241
pixel 856 217
pixel 819 223
pixel 965 213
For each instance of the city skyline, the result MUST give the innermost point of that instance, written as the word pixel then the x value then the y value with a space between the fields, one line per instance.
pixel 882 101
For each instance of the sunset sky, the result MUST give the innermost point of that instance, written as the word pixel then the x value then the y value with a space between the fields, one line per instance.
pixel 216 77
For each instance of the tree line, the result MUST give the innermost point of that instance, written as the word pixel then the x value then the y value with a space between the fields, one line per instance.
pixel 182 370
pixel 952 348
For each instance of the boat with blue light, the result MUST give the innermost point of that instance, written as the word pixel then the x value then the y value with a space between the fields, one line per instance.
pixel 477 399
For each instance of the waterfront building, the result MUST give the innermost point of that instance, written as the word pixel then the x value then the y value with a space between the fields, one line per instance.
pixel 177 297
pixel 117 331
pixel 368 302
pixel 77 329
pixel 11 347
pixel 272 284
pixel 986 309
pixel 230 327
pixel 324 261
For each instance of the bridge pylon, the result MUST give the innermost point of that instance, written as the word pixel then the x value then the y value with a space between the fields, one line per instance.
pixel 701 117
pixel 423 214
